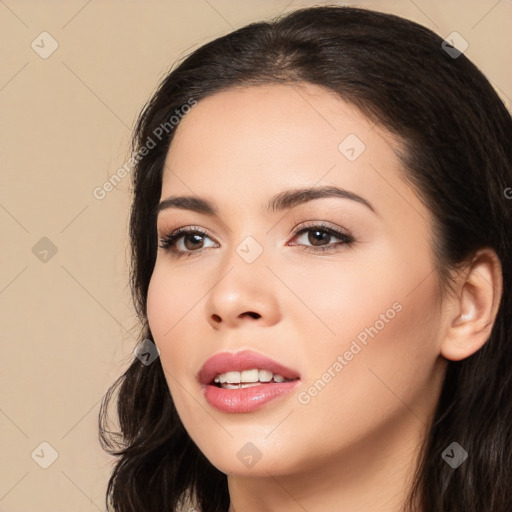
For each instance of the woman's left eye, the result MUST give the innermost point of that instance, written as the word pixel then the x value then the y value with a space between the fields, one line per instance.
pixel 318 234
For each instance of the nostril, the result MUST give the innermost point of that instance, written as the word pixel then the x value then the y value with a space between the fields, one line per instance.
pixel 253 315
pixel 218 319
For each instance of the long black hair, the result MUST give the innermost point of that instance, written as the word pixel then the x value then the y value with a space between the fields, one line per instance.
pixel 457 155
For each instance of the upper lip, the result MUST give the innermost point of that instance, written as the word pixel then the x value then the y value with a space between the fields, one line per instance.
pixel 244 360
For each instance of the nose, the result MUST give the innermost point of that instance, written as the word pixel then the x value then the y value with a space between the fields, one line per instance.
pixel 244 294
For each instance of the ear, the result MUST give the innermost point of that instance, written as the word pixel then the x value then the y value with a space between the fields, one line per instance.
pixel 474 306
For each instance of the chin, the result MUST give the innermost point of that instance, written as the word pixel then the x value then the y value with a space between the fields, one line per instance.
pixel 251 458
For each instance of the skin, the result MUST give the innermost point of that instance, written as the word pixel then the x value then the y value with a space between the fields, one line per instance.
pixel 355 442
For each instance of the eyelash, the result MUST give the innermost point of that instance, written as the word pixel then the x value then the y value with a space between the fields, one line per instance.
pixel 168 242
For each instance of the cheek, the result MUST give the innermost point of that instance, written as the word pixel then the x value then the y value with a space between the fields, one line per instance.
pixel 167 307
pixel 380 316
pixel 173 306
pixel 383 356
pixel 365 295
pixel 171 299
pixel 375 388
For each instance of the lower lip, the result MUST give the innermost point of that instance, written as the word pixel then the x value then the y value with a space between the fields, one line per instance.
pixel 246 399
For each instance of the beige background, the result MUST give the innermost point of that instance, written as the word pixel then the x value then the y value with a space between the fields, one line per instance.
pixel 67 324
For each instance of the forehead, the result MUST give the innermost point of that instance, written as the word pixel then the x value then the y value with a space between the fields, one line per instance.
pixel 274 114
pixel 248 143
pixel 272 125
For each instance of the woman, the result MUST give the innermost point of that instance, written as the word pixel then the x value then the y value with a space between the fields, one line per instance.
pixel 321 251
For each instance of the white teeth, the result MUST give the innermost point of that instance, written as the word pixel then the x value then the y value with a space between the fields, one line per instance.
pixel 233 377
pixel 265 375
pixel 250 377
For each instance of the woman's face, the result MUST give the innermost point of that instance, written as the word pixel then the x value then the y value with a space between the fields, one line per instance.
pixel 354 315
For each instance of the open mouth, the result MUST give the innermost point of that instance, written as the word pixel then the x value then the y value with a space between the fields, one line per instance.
pixel 245 381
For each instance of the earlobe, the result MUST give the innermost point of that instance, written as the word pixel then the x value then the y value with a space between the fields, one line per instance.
pixel 476 306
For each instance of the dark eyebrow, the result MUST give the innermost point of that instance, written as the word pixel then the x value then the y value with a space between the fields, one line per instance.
pixel 282 201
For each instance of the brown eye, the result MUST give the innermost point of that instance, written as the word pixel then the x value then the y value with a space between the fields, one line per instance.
pixel 193 241
pixel 319 236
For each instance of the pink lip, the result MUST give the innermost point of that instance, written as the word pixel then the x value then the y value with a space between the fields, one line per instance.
pixel 244 399
pixel 244 360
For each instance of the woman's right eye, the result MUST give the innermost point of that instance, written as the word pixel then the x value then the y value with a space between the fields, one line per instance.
pixel 190 236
